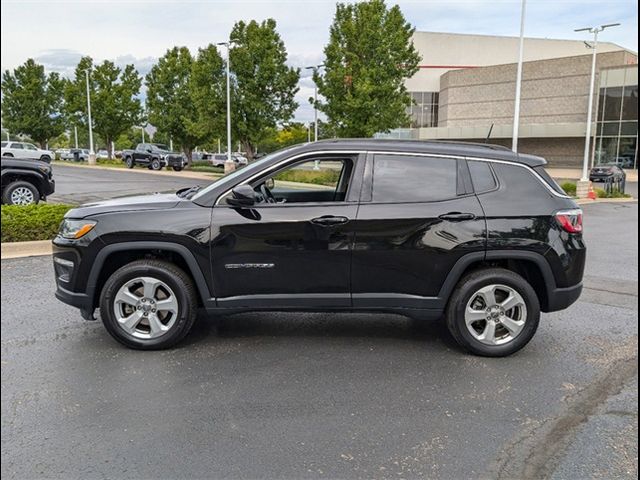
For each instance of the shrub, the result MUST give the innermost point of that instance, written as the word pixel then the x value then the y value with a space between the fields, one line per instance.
pixel 570 188
pixel 31 222
pixel 614 193
pixel 323 177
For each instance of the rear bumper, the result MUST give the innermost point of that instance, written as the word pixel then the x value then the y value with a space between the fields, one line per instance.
pixel 561 298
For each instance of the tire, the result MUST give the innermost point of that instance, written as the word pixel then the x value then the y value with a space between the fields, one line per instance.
pixel 45 158
pixel 155 164
pixel 497 345
pixel 20 193
pixel 174 282
pixel 177 168
pixel 129 162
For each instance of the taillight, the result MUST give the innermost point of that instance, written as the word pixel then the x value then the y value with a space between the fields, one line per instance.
pixel 570 220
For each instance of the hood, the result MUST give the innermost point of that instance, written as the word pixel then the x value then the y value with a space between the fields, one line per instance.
pixel 24 163
pixel 156 201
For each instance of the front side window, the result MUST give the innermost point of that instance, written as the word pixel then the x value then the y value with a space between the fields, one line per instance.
pixel 406 178
pixel 29 146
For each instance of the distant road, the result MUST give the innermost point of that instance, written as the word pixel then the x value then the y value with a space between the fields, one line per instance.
pixel 76 185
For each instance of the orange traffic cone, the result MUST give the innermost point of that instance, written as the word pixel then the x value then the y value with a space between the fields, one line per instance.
pixel 592 194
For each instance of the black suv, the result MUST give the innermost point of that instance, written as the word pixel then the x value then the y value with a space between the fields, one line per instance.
pixel 26 181
pixel 474 233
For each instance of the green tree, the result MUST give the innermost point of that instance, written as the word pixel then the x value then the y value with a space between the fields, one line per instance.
pixel 264 86
pixel 368 58
pixel 32 102
pixel 185 96
pixel 115 106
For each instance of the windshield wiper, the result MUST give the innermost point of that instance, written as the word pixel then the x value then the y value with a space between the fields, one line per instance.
pixel 188 192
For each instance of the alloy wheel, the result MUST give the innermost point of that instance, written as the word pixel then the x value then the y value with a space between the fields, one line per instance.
pixel 495 314
pixel 145 307
pixel 22 196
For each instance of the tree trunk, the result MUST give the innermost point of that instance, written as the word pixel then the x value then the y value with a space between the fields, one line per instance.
pixel 249 149
pixel 109 149
pixel 188 151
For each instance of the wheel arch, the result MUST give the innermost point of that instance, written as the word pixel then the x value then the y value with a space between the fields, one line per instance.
pixel 530 265
pixel 114 256
pixel 13 175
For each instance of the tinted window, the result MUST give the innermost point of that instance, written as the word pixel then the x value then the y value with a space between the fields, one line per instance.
pixel 482 176
pixel 17 146
pixel 403 178
pixel 3 145
pixel 549 179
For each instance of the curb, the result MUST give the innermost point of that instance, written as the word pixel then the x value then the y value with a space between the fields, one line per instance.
pixel 26 249
pixel 588 201
pixel 183 173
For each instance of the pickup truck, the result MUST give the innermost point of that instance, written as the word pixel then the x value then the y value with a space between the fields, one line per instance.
pixel 154 156
pixel 26 181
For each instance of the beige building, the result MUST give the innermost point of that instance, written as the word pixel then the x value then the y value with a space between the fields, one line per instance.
pixel 466 88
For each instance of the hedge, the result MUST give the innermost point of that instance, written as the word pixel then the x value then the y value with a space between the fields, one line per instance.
pixel 570 188
pixel 31 222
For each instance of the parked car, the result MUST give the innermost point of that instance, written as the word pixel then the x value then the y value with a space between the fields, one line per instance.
pixel 102 154
pixel 154 156
pixel 608 172
pixel 474 233
pixel 62 152
pixel 25 181
pixel 26 150
pixel 82 154
pixel 219 159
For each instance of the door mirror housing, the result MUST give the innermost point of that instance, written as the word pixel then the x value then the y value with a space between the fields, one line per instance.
pixel 242 196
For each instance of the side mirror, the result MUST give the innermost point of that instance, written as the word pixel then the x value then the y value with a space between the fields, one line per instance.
pixel 242 196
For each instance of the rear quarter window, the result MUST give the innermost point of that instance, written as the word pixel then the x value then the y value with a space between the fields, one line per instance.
pixel 519 182
pixel 549 180
pixel 482 176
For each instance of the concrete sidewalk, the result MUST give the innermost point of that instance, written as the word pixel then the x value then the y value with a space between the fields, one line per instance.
pixel 26 249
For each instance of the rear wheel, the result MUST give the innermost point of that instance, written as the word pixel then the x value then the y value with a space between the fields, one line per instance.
pixel 493 312
pixel 20 193
pixel 148 304
pixel 177 168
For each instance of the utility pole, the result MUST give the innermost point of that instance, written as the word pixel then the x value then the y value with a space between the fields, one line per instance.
pixel 92 153
pixel 583 184
pixel 315 68
pixel 75 134
pixel 229 166
pixel 516 113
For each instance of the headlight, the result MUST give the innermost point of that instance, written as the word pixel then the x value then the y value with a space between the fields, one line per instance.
pixel 74 229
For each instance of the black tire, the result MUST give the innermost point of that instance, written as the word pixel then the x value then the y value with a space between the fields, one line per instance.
pixel 177 168
pixel 155 165
pixel 13 186
pixel 45 158
pixel 173 277
pixel 468 286
pixel 130 163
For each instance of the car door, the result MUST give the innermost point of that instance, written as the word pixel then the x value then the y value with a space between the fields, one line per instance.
pixel 418 216
pixel 295 252
pixel 18 151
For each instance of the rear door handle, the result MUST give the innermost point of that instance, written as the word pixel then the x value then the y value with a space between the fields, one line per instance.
pixel 329 220
pixel 457 216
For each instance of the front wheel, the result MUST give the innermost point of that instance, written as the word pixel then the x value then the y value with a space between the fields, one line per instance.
pixel 148 304
pixel 156 165
pixel 177 168
pixel 493 312
pixel 45 158
pixel 129 162
pixel 20 193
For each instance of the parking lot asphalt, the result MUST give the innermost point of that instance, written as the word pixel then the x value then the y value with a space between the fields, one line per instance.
pixel 326 395
pixel 76 185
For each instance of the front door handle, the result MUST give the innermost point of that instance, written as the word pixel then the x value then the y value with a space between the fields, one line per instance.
pixel 457 216
pixel 329 220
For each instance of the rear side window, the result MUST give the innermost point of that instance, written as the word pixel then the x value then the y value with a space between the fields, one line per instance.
pixel 4 144
pixel 519 181
pixel 404 178
pixel 481 176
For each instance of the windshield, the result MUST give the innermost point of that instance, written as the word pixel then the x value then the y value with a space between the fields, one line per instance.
pixel 160 146
pixel 253 167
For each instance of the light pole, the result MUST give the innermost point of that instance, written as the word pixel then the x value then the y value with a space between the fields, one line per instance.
pixel 92 154
pixel 516 113
pixel 75 135
pixel 315 101
pixel 583 184
pixel 229 166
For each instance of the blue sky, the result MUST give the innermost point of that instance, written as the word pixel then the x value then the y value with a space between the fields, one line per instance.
pixel 57 33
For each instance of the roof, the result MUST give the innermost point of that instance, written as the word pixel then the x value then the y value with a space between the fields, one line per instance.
pixel 436 147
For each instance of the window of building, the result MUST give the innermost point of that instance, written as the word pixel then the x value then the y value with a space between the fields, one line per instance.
pixel 423 111
pixel 405 179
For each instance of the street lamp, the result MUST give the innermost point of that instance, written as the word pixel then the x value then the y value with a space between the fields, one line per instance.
pixel 315 101
pixel 92 154
pixel 229 166
pixel 583 184
pixel 516 113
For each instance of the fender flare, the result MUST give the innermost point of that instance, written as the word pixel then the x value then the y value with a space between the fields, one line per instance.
pixel 196 272
pixel 38 180
pixel 467 260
